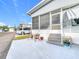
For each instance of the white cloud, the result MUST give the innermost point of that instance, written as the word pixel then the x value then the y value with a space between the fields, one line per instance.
pixel 2 24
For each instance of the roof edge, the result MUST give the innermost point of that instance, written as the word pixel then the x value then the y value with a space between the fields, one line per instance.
pixel 38 6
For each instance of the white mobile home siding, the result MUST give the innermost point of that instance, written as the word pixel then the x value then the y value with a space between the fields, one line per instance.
pixel 54 5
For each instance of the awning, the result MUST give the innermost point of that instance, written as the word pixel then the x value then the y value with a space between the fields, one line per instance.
pixel 73 13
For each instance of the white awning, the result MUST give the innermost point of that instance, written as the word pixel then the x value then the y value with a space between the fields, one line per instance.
pixel 73 12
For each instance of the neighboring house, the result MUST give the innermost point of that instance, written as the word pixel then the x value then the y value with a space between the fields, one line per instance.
pixel 6 29
pixel 59 17
pixel 23 29
pixel 11 29
pixel 0 30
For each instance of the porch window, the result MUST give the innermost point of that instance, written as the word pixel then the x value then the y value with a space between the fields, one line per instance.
pixel 56 22
pixel 44 21
pixel 35 22
pixel 66 21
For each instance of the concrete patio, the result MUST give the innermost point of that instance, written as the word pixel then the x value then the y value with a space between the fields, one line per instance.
pixel 29 49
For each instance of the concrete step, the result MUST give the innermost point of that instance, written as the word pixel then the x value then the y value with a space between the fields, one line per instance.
pixel 54 39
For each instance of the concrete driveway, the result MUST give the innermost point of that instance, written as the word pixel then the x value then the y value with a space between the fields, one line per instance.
pixel 28 49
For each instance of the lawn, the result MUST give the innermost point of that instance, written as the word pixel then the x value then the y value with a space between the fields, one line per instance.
pixel 18 37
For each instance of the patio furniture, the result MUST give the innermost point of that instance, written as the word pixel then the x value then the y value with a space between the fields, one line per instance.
pixel 67 40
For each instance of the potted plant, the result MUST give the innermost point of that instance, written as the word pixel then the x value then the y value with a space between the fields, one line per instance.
pixel 67 41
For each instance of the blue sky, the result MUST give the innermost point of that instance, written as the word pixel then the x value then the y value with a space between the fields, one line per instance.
pixel 13 12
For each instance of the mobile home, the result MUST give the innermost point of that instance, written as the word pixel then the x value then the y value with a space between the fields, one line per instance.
pixel 23 29
pixel 58 18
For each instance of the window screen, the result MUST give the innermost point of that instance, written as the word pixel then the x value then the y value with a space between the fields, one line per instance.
pixel 35 22
pixel 56 19
pixel 56 22
pixel 44 21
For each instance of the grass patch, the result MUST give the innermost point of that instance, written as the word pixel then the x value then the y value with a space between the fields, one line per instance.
pixel 23 36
